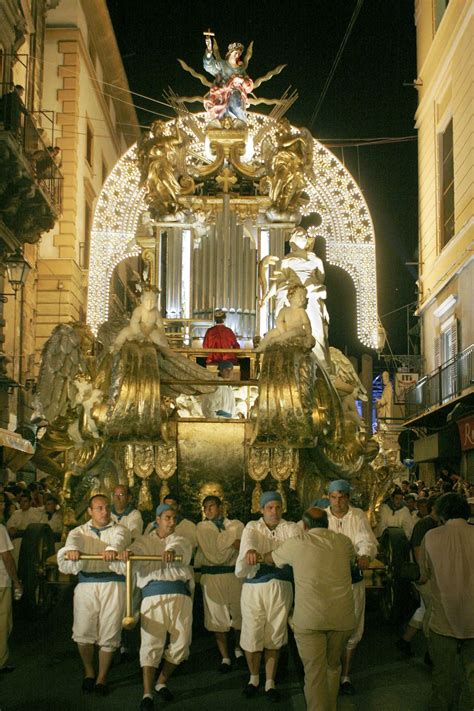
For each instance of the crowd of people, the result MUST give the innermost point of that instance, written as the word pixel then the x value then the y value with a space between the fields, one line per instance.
pixel 256 580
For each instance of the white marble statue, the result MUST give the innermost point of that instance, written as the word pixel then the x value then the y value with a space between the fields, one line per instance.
pixel 292 321
pixel 303 267
pixel 145 323
pixel 384 405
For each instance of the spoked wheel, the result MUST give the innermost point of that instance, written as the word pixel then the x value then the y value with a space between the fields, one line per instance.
pixel 394 551
pixel 36 547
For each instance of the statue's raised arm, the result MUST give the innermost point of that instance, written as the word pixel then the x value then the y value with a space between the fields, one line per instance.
pixel 229 94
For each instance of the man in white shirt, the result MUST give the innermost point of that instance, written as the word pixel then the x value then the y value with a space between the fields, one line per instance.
pixel 99 597
pixel 124 512
pixel 395 513
pixel 446 559
pixel 166 609
pixel 21 519
pixel 221 403
pixel 353 523
pixel 218 548
pixel 184 527
pixel 324 609
pixel 267 593
pixel 8 575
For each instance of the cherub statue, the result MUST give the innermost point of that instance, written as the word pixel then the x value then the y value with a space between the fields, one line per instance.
pixel 292 322
pixel 88 396
pixel 288 163
pixel 145 323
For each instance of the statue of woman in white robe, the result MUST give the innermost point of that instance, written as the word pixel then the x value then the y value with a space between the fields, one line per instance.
pixel 303 267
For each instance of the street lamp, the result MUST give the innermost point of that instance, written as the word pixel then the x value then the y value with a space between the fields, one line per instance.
pixel 17 269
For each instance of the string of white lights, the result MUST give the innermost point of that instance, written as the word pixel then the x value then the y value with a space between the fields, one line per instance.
pixel 346 225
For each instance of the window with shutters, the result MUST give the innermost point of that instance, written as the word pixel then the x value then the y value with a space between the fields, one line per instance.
pixel 447 185
pixel 448 348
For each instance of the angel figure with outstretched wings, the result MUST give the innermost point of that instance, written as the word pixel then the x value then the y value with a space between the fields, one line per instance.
pixel 231 91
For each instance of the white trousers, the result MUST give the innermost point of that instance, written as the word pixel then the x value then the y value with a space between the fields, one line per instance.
pixel 358 592
pixel 265 608
pixel 98 612
pixel 221 594
pixel 163 615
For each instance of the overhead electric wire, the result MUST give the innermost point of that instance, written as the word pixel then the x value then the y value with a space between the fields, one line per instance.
pixel 336 61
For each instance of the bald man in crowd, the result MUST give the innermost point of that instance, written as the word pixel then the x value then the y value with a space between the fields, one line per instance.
pixel 323 617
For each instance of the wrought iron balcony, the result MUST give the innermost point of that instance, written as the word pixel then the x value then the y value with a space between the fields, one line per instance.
pixel 446 383
pixel 30 179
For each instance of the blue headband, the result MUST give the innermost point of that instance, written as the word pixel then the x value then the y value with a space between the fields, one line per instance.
pixel 268 496
pixel 162 508
pixel 340 485
pixel 320 503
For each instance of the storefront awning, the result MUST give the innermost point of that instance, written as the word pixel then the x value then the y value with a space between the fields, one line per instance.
pixel 16 450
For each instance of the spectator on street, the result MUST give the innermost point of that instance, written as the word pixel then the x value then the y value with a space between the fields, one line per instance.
pixel 324 607
pixel 447 561
pixel 420 618
pixel 395 513
pixel 8 575
pixel 53 516
pixel 21 519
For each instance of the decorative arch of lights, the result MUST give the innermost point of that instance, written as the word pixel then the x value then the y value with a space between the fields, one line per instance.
pixel 345 225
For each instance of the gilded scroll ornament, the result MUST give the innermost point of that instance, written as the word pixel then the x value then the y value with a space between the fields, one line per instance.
pixel 165 465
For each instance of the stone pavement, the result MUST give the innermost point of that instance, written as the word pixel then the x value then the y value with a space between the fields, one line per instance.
pixel 48 674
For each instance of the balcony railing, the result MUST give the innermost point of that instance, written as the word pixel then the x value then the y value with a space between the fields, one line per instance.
pixel 442 385
pixel 17 120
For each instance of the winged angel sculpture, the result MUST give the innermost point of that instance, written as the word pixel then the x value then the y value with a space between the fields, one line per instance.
pixel 98 394
pixel 231 92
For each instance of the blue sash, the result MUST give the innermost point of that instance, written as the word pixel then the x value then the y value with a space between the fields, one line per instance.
pixel 165 587
pixel 270 572
pixel 217 569
pixel 104 577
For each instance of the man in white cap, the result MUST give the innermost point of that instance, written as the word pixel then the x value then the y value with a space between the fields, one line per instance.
pixel 166 609
pixel 267 593
pixel 184 527
pixel 218 547
pixel 354 524
pixel 99 596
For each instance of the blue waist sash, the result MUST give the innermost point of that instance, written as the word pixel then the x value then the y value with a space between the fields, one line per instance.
pixel 270 572
pixel 104 577
pixel 217 569
pixel 165 587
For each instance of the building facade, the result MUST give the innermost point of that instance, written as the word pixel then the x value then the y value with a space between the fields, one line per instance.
pixel 96 119
pixel 444 397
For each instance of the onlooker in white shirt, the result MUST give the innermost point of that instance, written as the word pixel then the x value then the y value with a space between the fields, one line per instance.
pixel 447 560
pixel 7 575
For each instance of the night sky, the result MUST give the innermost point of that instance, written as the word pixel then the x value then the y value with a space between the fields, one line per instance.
pixel 366 99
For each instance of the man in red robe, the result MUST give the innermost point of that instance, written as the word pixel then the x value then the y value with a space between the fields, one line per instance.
pixel 220 336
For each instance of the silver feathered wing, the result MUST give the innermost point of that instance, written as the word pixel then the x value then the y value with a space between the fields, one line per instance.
pixel 63 358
